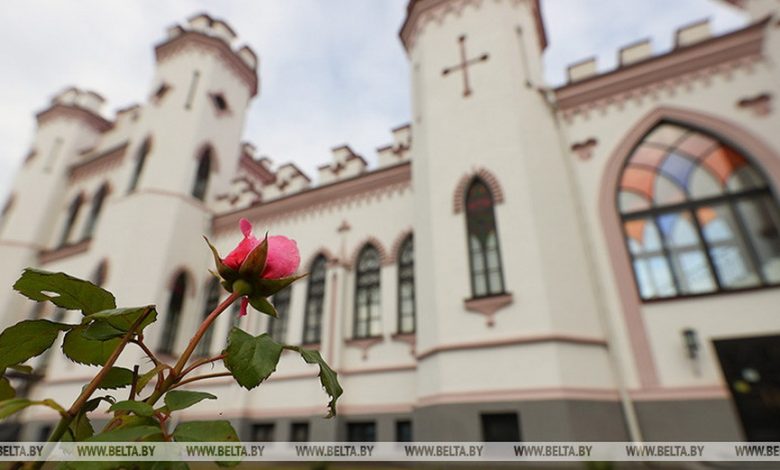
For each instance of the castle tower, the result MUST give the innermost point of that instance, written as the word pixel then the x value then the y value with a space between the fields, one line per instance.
pixel 507 308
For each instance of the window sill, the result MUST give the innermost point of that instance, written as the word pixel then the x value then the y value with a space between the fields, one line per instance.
pixel 743 290
pixel 408 338
pixel 364 343
pixel 488 306
pixel 64 251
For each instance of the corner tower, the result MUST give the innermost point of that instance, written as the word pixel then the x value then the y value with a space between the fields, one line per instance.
pixel 502 270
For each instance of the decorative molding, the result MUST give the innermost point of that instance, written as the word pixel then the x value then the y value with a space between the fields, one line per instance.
pixel 69 111
pixel 584 149
pixel 679 68
pixel 344 227
pixel 364 344
pixel 408 338
pixel 459 196
pixel 66 251
pixel 399 240
pixel 329 258
pixel 331 197
pixel 523 394
pixel 195 40
pixel 379 369
pixel 384 257
pixel 680 393
pixel 515 341
pixel 99 164
pixel 488 306
pixel 760 105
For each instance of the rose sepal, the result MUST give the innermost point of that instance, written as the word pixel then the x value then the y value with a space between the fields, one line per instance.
pixel 224 271
pixel 254 263
pixel 269 287
pixel 261 304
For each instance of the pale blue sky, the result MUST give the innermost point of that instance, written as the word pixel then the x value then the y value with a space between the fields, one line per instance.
pixel 332 71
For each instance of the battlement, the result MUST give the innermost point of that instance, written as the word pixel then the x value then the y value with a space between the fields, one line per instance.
pixel 85 105
pixel 399 150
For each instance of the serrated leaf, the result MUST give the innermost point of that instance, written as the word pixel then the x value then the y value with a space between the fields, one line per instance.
pixel 83 350
pixel 261 304
pixel 146 377
pixel 205 431
pixel 81 428
pixel 128 434
pixel 70 292
pixel 14 405
pixel 26 339
pixel 124 318
pixel 251 359
pixel 116 377
pixel 138 407
pixel 224 270
pixel 328 377
pixel 7 392
pixel 181 399
pixel 269 287
pixel 101 330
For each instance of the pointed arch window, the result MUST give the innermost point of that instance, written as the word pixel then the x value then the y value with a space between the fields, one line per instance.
pixel 70 221
pixel 487 276
pixel 368 318
pixel 315 296
pixel 698 217
pixel 201 183
pixel 139 165
pixel 174 312
pixel 406 310
pixel 277 327
pixel 212 300
pixel 94 213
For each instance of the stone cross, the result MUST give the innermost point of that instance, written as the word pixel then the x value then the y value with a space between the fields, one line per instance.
pixel 464 65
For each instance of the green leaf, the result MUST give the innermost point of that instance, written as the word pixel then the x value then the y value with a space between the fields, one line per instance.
pixel 81 427
pixel 9 407
pixel 27 339
pixel 251 359
pixel 328 377
pixel 80 349
pixel 124 318
pixel 227 273
pixel 101 330
pixel 138 407
pixel 7 392
pixel 181 399
pixel 261 304
pixel 128 434
pixel 269 287
pixel 146 377
pixel 254 263
pixel 205 431
pixel 117 377
pixel 69 292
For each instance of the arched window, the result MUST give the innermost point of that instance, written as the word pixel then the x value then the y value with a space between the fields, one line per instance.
pixel 99 276
pixel 697 216
pixel 139 164
pixel 484 254
pixel 315 295
pixel 6 213
pixel 212 300
pixel 368 318
pixel 406 312
pixel 73 214
pixel 173 317
pixel 94 213
pixel 277 327
pixel 202 176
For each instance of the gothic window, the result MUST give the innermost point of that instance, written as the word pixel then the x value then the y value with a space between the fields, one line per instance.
pixel 212 301
pixel 202 176
pixel 173 314
pixel 484 255
pixel 277 327
pixel 315 295
pixel 99 276
pixel 94 213
pixel 73 213
pixel 139 165
pixel 406 312
pixel 697 216
pixel 367 315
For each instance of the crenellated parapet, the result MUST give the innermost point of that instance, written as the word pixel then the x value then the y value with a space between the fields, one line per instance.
pixel 400 150
pixel 74 103
pixel 214 36
pixel 346 164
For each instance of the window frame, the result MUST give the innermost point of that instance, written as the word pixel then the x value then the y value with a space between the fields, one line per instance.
pixel 374 287
pixel 470 228
pixel 315 299
pixel 405 277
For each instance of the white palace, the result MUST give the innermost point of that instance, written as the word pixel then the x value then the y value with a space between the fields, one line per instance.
pixel 595 261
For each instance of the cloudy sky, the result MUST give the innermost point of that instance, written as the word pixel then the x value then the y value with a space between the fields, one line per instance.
pixel 332 71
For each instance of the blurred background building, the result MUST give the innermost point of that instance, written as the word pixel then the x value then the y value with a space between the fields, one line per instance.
pixel 594 261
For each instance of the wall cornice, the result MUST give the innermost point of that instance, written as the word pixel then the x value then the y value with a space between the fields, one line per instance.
pixel 98 164
pixel 97 122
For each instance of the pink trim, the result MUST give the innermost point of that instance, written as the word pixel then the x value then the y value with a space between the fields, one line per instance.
pixel 332 320
pixel 321 252
pixel 584 149
pixel 488 306
pixel 519 340
pixel 384 257
pixel 459 196
pixel 94 120
pixel 681 393
pixel 760 105
pixel 379 370
pixel 97 165
pixel 540 393
pixel 762 153
pixel 256 168
pixel 399 240
pixel 364 344
pixel 66 251
pixel 408 338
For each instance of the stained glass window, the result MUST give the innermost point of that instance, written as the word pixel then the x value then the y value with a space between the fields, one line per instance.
pixel 212 300
pixel 315 295
pixel 202 176
pixel 277 327
pixel 406 310
pixel 367 300
pixel 698 217
pixel 485 257
pixel 173 315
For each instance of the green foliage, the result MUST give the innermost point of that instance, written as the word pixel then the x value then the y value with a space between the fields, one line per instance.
pixel 146 377
pixel 81 428
pixel 117 377
pixel 223 270
pixel 181 399
pixel 68 292
pixel 328 377
pixel 205 431
pixel 26 339
pixel 138 407
pixel 101 330
pixel 83 350
pixel 9 407
pixel 6 391
pixel 123 319
pixel 261 304
pixel 129 434
pixel 269 287
pixel 251 359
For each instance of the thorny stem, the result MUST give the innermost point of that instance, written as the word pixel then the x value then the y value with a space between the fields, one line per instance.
pixel 201 362
pixel 140 344
pixel 201 377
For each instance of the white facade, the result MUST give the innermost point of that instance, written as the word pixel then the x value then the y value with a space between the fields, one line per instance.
pixel 566 340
